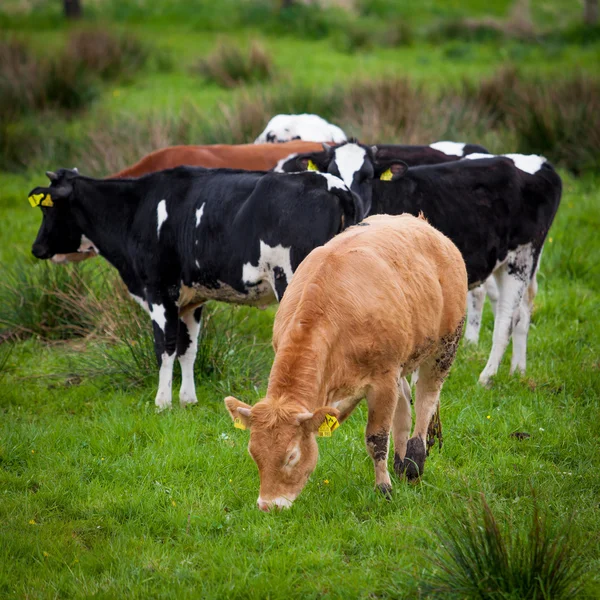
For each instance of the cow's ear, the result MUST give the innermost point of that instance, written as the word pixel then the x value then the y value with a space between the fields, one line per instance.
pixel 323 421
pixel 391 171
pixel 239 411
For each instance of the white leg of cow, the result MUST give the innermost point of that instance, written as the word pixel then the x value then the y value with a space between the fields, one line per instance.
pixel 187 348
pixel 165 381
pixel 475 301
pixel 512 278
pixel 491 289
pixel 521 329
pixel 165 322
pixel 401 426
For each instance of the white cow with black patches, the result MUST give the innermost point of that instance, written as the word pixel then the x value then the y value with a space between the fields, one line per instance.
pixel 496 209
pixel 306 127
pixel 188 235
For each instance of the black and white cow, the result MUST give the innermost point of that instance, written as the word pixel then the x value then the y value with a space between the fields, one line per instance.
pixel 187 235
pixel 413 156
pixel 496 209
pixel 307 127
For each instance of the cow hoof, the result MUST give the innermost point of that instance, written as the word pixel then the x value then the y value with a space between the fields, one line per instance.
pixel 187 400
pixel 162 405
pixel 386 490
pixel 398 465
pixel 414 461
pixel 485 380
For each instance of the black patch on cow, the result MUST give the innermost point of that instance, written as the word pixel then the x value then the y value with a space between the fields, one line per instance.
pixel 398 465
pixel 183 339
pixel 378 445
pixel 281 282
pixel 448 349
pixel 434 431
pixel 363 224
pixel 414 461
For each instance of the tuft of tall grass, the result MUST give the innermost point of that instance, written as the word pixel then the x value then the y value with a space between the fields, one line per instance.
pixel 106 54
pixel 48 301
pixel 230 66
pixel 482 558
pixel 124 346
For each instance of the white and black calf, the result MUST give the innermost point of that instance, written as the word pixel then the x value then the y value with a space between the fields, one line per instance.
pixel 187 235
pixel 496 209
pixel 306 127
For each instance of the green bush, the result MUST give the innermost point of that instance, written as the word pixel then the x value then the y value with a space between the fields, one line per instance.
pixel 482 558
pixel 230 66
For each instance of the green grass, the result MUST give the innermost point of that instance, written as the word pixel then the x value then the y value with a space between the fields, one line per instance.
pixel 99 495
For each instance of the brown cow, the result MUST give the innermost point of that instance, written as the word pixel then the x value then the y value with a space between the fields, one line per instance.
pixel 364 310
pixel 249 157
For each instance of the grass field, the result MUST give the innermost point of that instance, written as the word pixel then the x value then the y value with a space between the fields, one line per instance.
pixel 100 496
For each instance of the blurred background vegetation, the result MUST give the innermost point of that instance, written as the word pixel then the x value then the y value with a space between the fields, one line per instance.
pixel 120 78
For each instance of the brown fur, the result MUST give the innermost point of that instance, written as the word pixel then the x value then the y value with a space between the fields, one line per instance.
pixel 362 312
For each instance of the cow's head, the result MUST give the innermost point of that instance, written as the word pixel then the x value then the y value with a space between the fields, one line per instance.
pixel 357 166
pixel 59 234
pixel 283 445
pixel 305 161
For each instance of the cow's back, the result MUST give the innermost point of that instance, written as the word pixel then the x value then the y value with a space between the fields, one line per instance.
pixel 251 157
pixel 395 278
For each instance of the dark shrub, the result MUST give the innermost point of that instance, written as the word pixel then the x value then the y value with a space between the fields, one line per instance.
pixel 230 66
pixel 482 558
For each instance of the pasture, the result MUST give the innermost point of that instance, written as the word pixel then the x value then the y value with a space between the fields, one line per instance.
pixel 101 496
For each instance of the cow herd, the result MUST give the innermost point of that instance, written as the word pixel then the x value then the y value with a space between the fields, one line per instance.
pixel 365 300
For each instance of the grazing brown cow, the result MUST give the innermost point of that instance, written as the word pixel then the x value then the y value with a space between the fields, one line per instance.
pixel 249 157
pixel 364 310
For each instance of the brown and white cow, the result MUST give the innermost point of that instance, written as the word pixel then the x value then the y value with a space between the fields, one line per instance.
pixel 364 310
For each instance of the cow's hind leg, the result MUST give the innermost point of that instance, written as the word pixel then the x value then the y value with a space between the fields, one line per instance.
pixel 187 348
pixel 475 301
pixel 165 322
pixel 521 324
pixel 401 426
pixel 381 401
pixel 428 426
pixel 512 278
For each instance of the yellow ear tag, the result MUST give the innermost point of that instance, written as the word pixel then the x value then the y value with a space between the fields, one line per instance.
pixel 35 199
pixel 310 166
pixel 387 175
pixel 237 423
pixel 329 425
pixel 47 201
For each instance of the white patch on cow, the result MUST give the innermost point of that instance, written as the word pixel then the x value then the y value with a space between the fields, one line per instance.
pixel 280 502
pixel 307 127
pixel 332 181
pixel 270 258
pixel 165 380
pixel 86 245
pixel 279 166
pixel 161 215
pixel 199 215
pixel 475 301
pixel 157 314
pixel 349 159
pixel 449 148
pixel 141 302
pixel 197 264
pixel 529 163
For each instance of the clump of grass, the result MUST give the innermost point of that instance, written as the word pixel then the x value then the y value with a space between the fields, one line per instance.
pixel 230 66
pixel 106 54
pixel 481 558
pixel 46 300
pixel 124 346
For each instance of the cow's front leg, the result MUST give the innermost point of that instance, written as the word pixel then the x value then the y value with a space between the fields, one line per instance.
pixel 381 400
pixel 165 322
pixel 187 348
